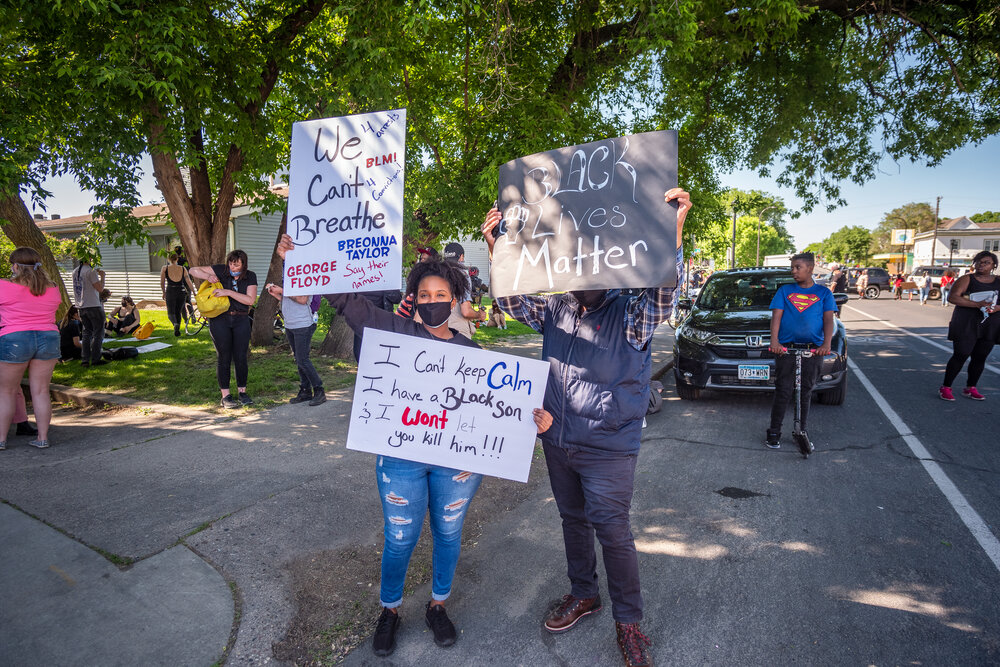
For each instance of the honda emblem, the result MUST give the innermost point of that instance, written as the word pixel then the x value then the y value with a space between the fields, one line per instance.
pixel 755 341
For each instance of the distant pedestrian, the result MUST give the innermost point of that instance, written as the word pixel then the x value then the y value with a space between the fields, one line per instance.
pixel 862 284
pixel 924 286
pixel 177 288
pixel 975 325
pixel 231 330
pixel 897 287
pixel 464 316
pixel 29 340
pixel 838 279
pixel 88 285
pixel 947 280
pixel 299 329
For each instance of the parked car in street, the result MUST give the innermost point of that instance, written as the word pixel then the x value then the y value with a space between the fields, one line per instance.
pixel 935 273
pixel 723 341
pixel 878 281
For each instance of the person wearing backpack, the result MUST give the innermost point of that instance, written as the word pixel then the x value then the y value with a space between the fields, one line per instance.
pixel 299 328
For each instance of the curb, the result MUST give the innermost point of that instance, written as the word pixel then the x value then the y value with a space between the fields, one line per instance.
pixel 663 371
pixel 87 397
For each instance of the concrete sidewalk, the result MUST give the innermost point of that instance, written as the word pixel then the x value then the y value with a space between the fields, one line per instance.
pixel 204 516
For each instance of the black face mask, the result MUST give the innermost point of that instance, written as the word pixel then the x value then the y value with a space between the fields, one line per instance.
pixel 434 314
pixel 590 298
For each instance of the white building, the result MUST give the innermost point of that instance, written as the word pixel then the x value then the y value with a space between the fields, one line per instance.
pixel 958 241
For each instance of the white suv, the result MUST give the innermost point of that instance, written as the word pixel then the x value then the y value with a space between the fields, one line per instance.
pixel 935 273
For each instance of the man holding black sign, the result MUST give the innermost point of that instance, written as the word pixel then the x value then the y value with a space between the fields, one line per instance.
pixel 597 345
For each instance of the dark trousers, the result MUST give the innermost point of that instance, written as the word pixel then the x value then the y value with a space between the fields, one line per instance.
pixel 176 298
pixel 231 335
pixel 784 387
pixel 300 340
pixel 978 351
pixel 594 495
pixel 92 323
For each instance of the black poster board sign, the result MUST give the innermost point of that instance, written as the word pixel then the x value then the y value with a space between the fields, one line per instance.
pixel 588 217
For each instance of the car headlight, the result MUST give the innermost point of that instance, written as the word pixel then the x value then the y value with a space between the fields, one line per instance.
pixel 695 335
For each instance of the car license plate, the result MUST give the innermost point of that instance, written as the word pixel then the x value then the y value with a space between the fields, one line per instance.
pixel 754 372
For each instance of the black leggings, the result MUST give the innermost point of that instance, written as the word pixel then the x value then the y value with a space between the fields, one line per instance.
pixel 176 298
pixel 978 351
pixel 231 335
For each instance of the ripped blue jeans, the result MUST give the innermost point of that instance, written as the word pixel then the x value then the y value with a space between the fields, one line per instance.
pixel 407 489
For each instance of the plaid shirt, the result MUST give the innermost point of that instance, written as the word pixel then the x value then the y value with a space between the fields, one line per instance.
pixel 642 315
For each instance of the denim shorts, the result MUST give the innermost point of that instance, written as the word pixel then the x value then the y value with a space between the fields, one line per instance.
pixel 22 346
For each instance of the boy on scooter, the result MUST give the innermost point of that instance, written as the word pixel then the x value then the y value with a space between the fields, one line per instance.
pixel 801 317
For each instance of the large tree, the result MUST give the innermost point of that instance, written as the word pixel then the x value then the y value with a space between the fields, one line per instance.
pixel 848 244
pixel 828 87
pixel 50 124
pixel 918 216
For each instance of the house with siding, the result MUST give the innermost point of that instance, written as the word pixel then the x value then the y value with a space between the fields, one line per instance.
pixel 958 241
pixel 134 269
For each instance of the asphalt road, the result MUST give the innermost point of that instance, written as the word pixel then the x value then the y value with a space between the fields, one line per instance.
pixel 864 554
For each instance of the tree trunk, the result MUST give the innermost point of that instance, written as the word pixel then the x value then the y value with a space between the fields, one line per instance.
pixel 267 306
pixel 339 341
pixel 20 228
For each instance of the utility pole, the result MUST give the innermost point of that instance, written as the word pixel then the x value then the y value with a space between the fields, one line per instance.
pixel 937 209
pixel 732 262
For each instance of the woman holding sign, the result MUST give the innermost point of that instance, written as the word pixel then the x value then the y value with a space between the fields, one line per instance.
pixel 409 489
pixel 231 330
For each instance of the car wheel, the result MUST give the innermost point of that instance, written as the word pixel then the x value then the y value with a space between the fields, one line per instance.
pixel 687 392
pixel 935 293
pixel 872 292
pixel 836 395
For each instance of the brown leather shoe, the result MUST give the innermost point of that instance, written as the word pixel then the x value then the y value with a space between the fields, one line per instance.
pixel 633 645
pixel 569 611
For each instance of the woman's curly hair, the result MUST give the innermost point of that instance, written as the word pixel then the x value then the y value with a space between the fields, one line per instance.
pixel 455 275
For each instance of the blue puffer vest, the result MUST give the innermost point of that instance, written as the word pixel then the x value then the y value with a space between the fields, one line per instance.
pixel 598 388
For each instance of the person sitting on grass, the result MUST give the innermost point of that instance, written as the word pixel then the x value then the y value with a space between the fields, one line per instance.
pixel 124 319
pixel 70 330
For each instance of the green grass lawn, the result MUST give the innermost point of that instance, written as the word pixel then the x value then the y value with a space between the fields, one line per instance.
pixel 184 374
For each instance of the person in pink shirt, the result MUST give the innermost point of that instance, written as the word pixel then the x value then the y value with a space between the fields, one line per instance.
pixel 29 339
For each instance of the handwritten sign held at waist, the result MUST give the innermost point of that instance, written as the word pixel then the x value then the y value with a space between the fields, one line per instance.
pixel 588 217
pixel 448 405
pixel 345 204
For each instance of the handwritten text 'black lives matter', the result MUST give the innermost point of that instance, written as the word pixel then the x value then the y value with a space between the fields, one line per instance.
pixel 361 244
pixel 595 168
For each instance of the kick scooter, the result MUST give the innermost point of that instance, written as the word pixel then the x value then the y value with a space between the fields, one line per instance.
pixel 800 437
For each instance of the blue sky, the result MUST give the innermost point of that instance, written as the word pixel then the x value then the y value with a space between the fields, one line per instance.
pixel 968 182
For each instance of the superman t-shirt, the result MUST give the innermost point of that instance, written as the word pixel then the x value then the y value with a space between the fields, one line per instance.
pixel 802 319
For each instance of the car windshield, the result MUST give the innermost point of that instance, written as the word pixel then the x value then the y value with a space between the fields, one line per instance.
pixel 741 292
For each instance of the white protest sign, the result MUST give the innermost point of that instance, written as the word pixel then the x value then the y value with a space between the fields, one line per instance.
pixel 345 204
pixel 446 404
